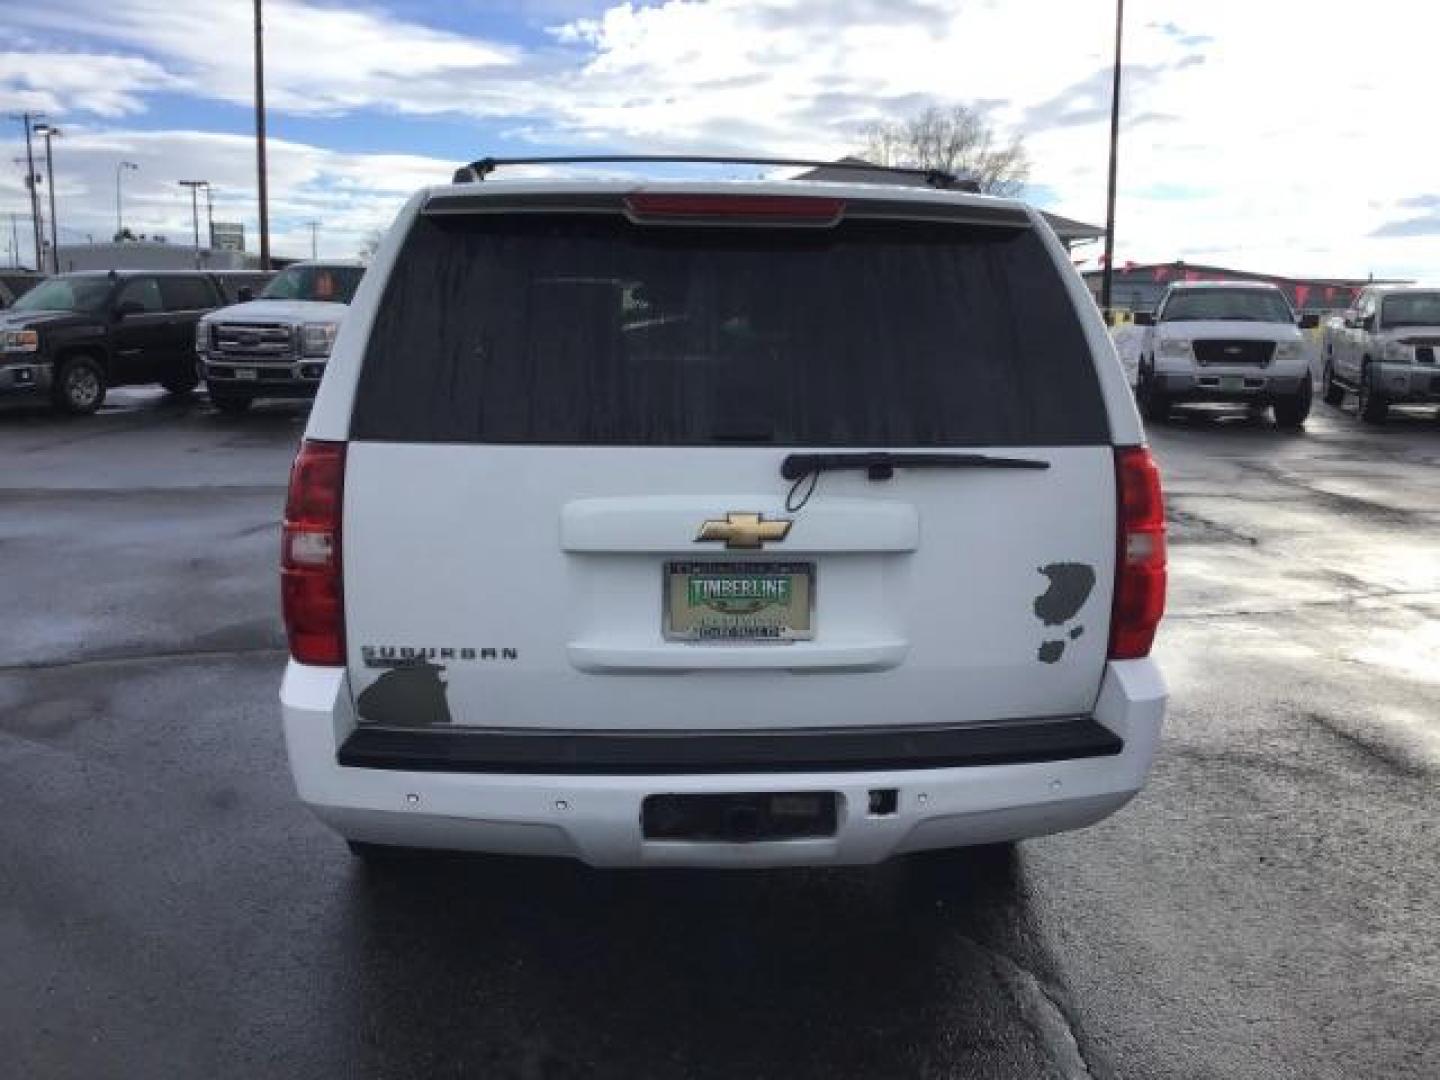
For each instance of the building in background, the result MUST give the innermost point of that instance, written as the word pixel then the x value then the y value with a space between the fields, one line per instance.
pixel 1138 287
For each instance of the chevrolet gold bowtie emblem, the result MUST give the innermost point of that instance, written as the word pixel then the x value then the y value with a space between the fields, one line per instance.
pixel 743 531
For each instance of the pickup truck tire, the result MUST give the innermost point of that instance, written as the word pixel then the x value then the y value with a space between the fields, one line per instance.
pixel 1290 412
pixel 1374 409
pixel 1154 405
pixel 79 387
pixel 1334 393
pixel 180 384
pixel 233 404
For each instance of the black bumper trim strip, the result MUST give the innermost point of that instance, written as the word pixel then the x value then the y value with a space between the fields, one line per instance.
pixel 489 750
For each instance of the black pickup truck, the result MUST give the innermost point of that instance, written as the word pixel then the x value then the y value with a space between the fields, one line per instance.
pixel 75 335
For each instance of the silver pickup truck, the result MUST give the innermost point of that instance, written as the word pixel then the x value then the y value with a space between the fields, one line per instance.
pixel 1385 349
pixel 276 346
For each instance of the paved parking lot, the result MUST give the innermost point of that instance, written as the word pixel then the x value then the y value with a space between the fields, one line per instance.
pixel 1265 909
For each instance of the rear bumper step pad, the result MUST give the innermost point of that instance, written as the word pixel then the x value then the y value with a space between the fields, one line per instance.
pixel 480 750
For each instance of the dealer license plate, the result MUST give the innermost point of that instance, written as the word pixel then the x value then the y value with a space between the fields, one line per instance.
pixel 739 601
pixel 246 373
pixel 1232 382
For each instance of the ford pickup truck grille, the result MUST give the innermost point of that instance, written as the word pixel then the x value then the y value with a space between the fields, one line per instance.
pixel 252 341
pixel 1222 351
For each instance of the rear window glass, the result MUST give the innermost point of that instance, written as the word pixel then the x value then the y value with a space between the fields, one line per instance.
pixel 573 329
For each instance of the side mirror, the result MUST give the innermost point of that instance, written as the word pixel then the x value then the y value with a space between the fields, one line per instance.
pixel 129 307
pixel 1309 320
pixel 244 294
pixel 1144 318
pixel 1368 323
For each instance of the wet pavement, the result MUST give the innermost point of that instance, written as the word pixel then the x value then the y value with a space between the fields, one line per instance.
pixel 1265 909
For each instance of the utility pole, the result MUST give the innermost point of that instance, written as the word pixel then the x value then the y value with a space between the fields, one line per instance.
pixel 48 132
pixel 260 139
pixel 314 238
pixel 14 241
pixel 195 186
pixel 1109 269
pixel 28 118
pixel 210 217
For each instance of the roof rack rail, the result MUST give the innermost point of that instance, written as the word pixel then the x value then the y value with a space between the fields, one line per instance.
pixel 476 171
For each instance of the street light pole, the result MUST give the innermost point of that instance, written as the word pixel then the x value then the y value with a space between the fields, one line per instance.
pixel 260 140
pixel 195 186
pixel 1109 268
pixel 49 131
pixel 210 217
pixel 120 167
pixel 314 238
pixel 28 118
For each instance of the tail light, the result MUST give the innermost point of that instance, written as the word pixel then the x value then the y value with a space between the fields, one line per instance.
pixel 311 591
pixel 1140 554
pixel 735 209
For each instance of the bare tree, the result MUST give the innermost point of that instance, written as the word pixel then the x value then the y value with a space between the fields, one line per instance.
pixel 370 243
pixel 957 140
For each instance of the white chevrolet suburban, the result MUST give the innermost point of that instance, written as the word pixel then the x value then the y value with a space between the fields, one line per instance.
pixel 712 523
pixel 1384 349
pixel 1225 341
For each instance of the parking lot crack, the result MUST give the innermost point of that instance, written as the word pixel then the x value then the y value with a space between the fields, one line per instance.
pixel 1303 605
pixel 160 656
pixel 1044 1016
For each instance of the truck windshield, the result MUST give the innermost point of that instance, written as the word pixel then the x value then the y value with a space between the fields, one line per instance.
pixel 85 294
pixel 336 284
pixel 1410 309
pixel 1228 305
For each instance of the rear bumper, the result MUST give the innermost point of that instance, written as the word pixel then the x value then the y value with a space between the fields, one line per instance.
pixel 596 817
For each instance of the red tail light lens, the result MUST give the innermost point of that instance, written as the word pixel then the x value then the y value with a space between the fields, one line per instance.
pixel 311 591
pixel 1140 555
pixel 735 209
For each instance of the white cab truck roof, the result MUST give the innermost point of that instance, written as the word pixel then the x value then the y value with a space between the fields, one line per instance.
pixel 1181 286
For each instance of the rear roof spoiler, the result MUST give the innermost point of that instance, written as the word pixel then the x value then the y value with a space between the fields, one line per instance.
pixel 459 202
pixel 476 171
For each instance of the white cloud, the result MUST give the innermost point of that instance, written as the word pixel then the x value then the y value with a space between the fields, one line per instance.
pixel 318 59
pixel 39 80
pixel 349 194
pixel 1268 135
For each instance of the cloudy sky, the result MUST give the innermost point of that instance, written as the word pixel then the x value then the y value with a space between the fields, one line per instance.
pixel 1265 134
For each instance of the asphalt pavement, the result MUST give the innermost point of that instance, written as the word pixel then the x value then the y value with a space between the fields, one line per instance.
pixel 1265 909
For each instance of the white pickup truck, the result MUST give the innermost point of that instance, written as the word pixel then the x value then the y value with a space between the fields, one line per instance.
pixel 1224 341
pixel 276 346
pixel 1384 349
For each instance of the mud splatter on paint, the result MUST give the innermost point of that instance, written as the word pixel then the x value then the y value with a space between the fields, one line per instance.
pixel 411 695
pixel 1070 585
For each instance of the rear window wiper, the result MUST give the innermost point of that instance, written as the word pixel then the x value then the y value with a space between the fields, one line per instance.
pixel 880 465
pixel 805 469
